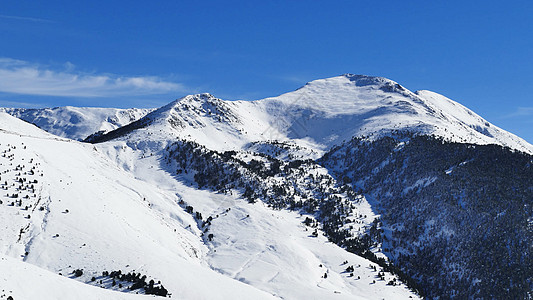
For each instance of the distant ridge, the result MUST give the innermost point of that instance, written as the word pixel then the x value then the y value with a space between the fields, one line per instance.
pixel 321 114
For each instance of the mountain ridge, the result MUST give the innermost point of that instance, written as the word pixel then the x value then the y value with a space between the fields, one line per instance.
pixel 357 105
pixel 354 105
pixel 77 123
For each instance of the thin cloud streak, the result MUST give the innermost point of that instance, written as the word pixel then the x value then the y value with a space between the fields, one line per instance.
pixel 20 104
pixel 293 79
pixel 20 77
pixel 27 19
pixel 520 112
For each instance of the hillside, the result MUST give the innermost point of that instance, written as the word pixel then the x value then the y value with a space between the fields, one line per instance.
pixel 67 207
pixel 455 216
pixel 261 149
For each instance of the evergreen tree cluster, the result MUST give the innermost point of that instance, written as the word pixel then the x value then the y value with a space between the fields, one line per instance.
pixel 20 183
pixel 135 281
pixel 294 184
pixel 202 224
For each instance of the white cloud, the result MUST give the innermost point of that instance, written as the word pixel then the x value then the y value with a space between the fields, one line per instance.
pixel 20 77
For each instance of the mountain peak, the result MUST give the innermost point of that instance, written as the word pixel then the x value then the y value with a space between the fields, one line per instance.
pixel 200 97
pixel 364 80
pixel 202 104
pixel 348 83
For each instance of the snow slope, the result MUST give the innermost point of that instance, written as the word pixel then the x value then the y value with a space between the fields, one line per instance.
pixel 78 211
pixel 25 281
pixel 77 123
pixel 269 249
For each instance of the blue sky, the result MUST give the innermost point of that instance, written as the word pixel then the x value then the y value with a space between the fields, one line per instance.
pixel 145 54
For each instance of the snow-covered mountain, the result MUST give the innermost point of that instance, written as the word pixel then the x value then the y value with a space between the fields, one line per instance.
pixel 317 116
pixel 303 125
pixel 321 114
pixel 289 197
pixel 77 123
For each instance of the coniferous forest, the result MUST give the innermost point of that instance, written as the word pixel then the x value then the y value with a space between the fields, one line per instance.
pixel 456 217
